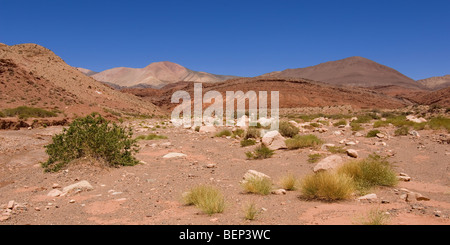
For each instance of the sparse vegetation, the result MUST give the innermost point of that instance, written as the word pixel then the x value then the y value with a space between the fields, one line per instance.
pixel 207 198
pixel 401 131
pixel 375 217
pixel 289 182
pixel 252 133
pixel 439 123
pixel 24 112
pixel 356 126
pixel 303 141
pixel 197 129
pixel 262 186
pixel 92 136
pixel 372 133
pixel 327 186
pixel 151 137
pixel 340 123
pixel 336 149
pixel 248 142
pixel 251 211
pixel 369 172
pixel 261 152
pixel 224 132
pixel 313 158
pixel 287 129
pixel 238 132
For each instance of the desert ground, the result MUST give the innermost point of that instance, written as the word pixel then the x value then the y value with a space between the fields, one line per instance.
pixel 151 192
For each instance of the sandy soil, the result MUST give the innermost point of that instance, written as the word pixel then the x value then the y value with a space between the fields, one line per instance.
pixel 150 193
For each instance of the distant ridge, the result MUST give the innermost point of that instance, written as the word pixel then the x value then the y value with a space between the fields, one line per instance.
pixel 436 83
pixel 157 75
pixel 352 71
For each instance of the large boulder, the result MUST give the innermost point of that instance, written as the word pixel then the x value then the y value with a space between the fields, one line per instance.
pixel 415 119
pixel 274 140
pixel 328 163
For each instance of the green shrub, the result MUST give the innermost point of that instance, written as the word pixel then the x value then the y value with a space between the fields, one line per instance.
pixel 372 133
pixel 327 186
pixel 252 133
pixel 287 129
pixel 24 112
pixel 380 123
pixel 238 132
pixel 1 114
pixel 247 142
pixel 364 118
pixel 207 198
pixel 340 123
pixel 261 152
pixel 401 131
pixel 313 158
pixel 151 137
pixel 224 132
pixel 315 125
pixel 92 136
pixel 439 123
pixel 197 129
pixel 369 172
pixel 303 141
pixel 262 186
pixel 356 126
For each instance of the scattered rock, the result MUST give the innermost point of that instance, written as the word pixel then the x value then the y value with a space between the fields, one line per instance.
pixel 337 133
pixel 380 135
pixel 413 118
pixel 274 140
pixel 279 192
pixel 211 165
pixel 380 143
pixel 404 177
pixel 352 153
pixel 358 134
pixel 250 174
pixel 324 147
pixel 368 197
pixel 350 143
pixel 328 163
pixel 414 196
pixel 55 193
pixel 72 201
pixel 174 155
pixel 77 187
pixel 10 205
pixel 54 186
pixel 414 133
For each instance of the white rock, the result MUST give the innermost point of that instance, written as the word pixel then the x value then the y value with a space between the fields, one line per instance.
pixel 414 133
pixel 77 187
pixel 369 197
pixel 274 140
pixel 337 133
pixel 380 135
pixel 174 155
pixel 10 205
pixel 55 193
pixel 279 192
pixel 328 163
pixel 251 174
pixel 324 147
pixel 350 143
pixel 267 121
pixel 242 122
pixel 412 118
pixel 207 129
pixel 352 153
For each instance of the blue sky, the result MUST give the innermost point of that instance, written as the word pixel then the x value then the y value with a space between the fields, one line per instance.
pixel 245 38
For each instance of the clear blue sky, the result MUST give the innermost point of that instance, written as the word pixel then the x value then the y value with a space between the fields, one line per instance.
pixel 245 38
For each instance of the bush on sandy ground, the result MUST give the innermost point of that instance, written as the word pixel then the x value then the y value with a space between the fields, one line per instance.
pixel 252 133
pixel 374 217
pixel 372 133
pixel 247 142
pixel 287 129
pixel 207 198
pixel 337 149
pixel 340 123
pixel 92 136
pixel 369 172
pixel 401 131
pixel 289 182
pixel 261 152
pixel 256 185
pixel 303 141
pixel 327 186
pixel 251 211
